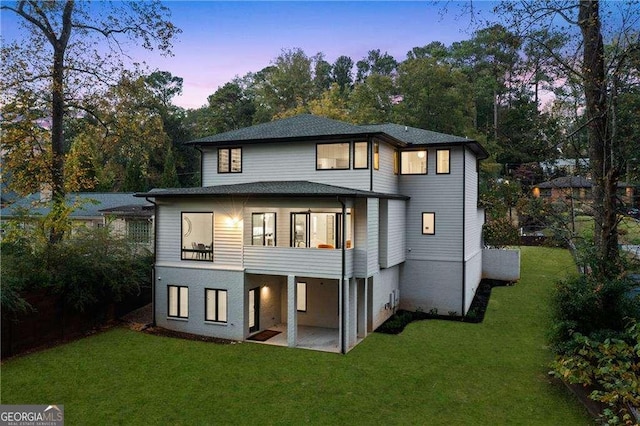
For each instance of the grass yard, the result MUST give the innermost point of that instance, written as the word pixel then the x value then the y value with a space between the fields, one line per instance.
pixel 435 372
pixel 628 228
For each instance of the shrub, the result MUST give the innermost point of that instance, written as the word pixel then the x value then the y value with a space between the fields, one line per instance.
pixel 611 366
pixel 500 232
pixel 87 268
pixel 593 308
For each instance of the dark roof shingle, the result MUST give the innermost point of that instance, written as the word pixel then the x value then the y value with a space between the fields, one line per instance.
pixel 298 127
pixel 312 127
pixel 269 188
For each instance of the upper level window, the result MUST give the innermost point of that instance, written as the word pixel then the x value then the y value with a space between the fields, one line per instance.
pixel 414 162
pixel 332 156
pixel 361 155
pixel 376 155
pixel 197 236
pixel 320 230
pixel 229 160
pixel 442 161
pixel 263 229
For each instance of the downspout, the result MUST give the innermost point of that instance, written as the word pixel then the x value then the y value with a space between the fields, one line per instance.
pixel 155 260
pixel 343 344
pixel 464 223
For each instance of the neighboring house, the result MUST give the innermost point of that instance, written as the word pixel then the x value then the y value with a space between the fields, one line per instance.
pixel 578 189
pixel 135 221
pixel 121 211
pixel 567 166
pixel 319 229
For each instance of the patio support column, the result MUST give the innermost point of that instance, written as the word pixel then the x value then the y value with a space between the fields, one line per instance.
pixel 363 296
pixel 292 313
pixel 353 312
pixel 345 315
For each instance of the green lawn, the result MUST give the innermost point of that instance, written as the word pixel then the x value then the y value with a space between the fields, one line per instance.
pixel 435 372
pixel 628 228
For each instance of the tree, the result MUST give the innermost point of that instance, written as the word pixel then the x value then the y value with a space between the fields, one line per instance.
pixel 321 74
pixel 372 100
pixel 375 63
pixel 589 63
pixel 65 60
pixel 342 73
pixel 288 83
pixel 434 96
pixel 124 138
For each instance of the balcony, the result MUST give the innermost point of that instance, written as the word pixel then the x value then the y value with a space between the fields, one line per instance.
pixel 308 262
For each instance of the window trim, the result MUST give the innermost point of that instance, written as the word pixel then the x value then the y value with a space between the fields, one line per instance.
pixel 335 143
pixel 376 155
pixel 366 155
pixel 426 161
pixel 217 314
pixel 183 250
pixel 433 220
pixel 178 304
pixel 307 214
pixel 396 162
pixel 264 234
pixel 438 172
pixel 305 286
pixel 229 149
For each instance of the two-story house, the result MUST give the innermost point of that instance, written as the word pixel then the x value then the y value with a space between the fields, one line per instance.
pixel 319 230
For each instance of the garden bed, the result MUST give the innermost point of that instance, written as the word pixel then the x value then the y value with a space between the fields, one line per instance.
pixel 398 321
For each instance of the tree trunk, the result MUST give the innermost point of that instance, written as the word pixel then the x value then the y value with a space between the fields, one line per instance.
pixel 57 116
pixel 600 149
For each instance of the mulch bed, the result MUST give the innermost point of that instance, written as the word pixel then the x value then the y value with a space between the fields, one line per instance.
pixel 159 331
pixel 398 321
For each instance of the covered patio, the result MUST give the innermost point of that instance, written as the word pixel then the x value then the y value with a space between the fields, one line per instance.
pixel 308 337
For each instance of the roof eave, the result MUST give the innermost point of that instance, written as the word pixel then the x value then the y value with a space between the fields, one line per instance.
pixel 271 195
pixel 314 138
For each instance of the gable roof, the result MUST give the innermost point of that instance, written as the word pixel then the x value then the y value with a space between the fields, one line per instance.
pixel 312 128
pixel 269 188
pixel 90 204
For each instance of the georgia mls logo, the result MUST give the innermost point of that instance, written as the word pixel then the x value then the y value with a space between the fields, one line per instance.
pixel 31 415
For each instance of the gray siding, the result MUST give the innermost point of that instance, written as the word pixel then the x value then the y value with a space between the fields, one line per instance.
pixel 297 261
pixel 392 232
pixel 384 179
pixel 227 246
pixel 227 241
pixel 373 261
pixel 474 216
pixel 281 161
pixel 385 283
pixel 197 280
pixel 473 275
pixel 443 195
pixel 427 285
pixel 360 234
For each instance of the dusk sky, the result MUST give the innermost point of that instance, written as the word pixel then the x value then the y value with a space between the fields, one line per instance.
pixel 221 40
